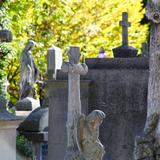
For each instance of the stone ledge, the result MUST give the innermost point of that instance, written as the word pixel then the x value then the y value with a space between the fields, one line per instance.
pixel 118 63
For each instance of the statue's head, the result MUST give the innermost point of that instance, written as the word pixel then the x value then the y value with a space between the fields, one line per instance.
pixel 29 44
pixel 95 118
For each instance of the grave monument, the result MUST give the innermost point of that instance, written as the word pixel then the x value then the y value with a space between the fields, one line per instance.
pixel 82 132
pixel 125 50
pixel 28 77
pixel 147 146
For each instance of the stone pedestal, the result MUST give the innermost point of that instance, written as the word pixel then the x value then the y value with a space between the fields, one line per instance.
pixel 58 103
pixel 8 139
pixel 25 106
pixel 8 126
pixel 35 129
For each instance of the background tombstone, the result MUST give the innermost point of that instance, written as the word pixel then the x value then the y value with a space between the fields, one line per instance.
pixel 54 62
pixel 118 87
pixel 125 50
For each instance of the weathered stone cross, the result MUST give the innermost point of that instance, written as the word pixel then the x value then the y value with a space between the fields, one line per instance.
pixel 125 24
pixel 74 70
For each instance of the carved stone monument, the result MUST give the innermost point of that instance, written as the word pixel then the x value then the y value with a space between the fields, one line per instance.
pixel 125 51
pixel 82 142
pixel 28 77
pixel 28 72
pixel 148 146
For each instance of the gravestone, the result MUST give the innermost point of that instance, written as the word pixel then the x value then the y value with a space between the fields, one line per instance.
pixel 5 36
pixel 74 70
pixel 118 87
pixel 125 50
pixel 54 61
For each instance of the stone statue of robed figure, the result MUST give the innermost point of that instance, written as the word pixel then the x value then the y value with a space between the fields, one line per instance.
pixel 28 77
pixel 28 72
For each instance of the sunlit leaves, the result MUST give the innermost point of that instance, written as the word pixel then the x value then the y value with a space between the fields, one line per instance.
pixel 88 24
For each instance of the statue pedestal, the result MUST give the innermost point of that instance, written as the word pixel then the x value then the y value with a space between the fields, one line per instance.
pixel 27 104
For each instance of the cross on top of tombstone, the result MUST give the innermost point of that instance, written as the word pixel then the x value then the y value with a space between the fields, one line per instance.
pixel 74 55
pixel 125 24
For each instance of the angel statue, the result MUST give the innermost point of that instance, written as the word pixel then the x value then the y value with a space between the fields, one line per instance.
pixel 88 136
pixel 28 72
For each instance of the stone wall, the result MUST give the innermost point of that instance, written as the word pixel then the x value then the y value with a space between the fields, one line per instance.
pixel 119 88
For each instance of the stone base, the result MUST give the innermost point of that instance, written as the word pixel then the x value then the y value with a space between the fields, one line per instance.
pixel 27 104
pixel 8 139
pixel 125 52
pixel 23 114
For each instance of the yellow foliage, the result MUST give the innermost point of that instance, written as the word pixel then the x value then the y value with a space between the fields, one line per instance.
pixel 87 24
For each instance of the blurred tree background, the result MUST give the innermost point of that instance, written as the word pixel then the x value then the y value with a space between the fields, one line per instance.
pixel 88 24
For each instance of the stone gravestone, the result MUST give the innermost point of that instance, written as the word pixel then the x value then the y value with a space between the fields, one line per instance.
pixel 119 88
pixel 54 61
pixel 125 50
pixel 82 131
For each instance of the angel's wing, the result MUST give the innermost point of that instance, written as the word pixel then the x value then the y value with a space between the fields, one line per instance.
pixel 80 128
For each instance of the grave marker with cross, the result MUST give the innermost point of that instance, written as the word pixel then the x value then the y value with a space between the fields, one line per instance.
pixel 74 69
pixel 125 24
pixel 125 51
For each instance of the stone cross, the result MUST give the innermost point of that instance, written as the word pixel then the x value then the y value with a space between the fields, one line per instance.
pixel 74 70
pixel 125 24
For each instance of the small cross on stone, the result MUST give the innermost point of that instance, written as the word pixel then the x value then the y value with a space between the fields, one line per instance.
pixel 125 24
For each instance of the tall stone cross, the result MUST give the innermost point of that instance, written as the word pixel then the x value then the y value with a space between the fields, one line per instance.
pixel 125 24
pixel 74 70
